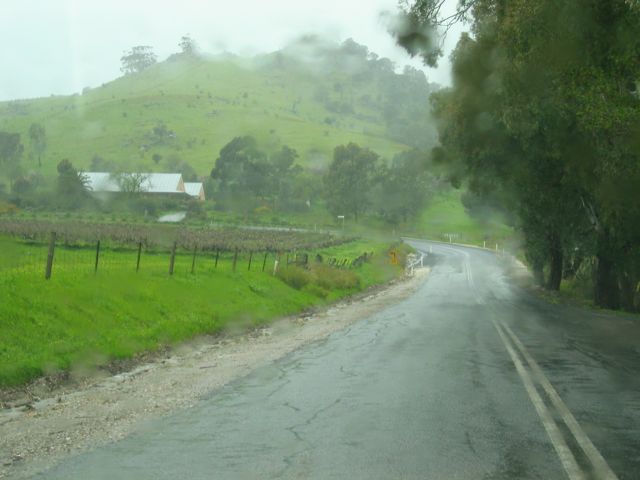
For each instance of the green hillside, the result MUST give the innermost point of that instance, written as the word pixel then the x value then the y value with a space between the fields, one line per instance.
pixel 199 105
pixel 311 96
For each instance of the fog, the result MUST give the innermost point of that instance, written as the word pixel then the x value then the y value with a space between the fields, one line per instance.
pixel 62 46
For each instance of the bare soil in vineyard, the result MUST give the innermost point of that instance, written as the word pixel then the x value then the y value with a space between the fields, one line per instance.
pixel 37 431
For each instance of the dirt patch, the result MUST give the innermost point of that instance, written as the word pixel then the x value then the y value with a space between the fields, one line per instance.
pixel 57 417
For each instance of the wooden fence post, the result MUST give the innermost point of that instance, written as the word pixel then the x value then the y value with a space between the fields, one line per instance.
pixel 235 259
pixel 250 258
pixel 217 256
pixel 52 246
pixel 264 262
pixel 193 262
pixel 95 268
pixel 172 261
pixel 139 253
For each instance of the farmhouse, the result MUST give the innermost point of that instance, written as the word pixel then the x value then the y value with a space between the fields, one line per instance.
pixel 143 183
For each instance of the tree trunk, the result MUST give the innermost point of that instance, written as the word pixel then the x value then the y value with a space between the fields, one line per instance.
pixel 627 292
pixel 555 268
pixel 606 291
pixel 538 273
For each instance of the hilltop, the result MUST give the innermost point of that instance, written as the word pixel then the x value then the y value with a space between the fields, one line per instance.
pixel 310 96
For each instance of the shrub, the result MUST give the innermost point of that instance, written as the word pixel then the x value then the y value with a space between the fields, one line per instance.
pixel 316 290
pixel 295 277
pixel 331 278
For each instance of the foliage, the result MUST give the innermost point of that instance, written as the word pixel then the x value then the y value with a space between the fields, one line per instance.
pixel 294 276
pixel 247 178
pixel 318 277
pixel 188 45
pixel 331 278
pixel 38 138
pixel 137 59
pixel 349 180
pixel 544 109
pixel 403 187
pixel 131 182
pixel 10 153
pixel 71 186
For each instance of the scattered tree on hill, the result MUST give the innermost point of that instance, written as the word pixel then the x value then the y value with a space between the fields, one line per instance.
pixel 10 153
pixel 137 59
pixel 188 45
pixel 349 181
pixel 10 148
pixel 38 138
pixel 160 134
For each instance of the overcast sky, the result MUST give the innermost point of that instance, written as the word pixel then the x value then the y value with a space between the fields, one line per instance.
pixel 60 46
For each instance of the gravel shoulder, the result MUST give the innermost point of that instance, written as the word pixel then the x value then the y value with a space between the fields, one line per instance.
pixel 38 432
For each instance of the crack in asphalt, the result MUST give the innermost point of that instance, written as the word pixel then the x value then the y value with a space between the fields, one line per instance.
pixel 288 460
pixel 308 421
pixel 293 407
pixel 281 377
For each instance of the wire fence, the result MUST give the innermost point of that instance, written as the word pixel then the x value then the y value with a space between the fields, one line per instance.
pixel 45 248
pixel 60 259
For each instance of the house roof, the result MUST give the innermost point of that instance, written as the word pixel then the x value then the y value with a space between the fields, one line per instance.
pixel 163 183
pixel 101 182
pixel 152 182
pixel 193 188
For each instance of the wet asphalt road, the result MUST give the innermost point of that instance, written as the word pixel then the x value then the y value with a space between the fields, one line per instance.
pixel 426 389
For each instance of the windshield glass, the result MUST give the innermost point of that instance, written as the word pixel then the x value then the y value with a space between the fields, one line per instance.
pixel 321 239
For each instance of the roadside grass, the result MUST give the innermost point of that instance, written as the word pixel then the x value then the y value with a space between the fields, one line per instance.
pixel 79 321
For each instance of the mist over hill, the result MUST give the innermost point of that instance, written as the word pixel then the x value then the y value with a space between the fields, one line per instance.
pixel 312 96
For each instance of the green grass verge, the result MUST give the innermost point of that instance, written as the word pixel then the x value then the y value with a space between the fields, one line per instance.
pixel 81 320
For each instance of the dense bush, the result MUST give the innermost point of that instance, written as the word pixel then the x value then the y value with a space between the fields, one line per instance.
pixel 331 278
pixel 316 290
pixel 295 277
pixel 319 279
